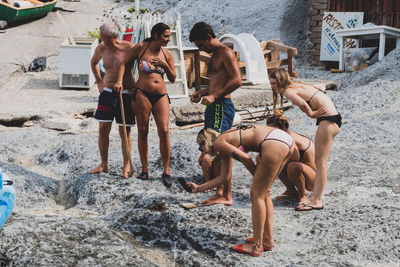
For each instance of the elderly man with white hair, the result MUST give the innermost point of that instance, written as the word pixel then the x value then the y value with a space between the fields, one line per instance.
pixel 118 77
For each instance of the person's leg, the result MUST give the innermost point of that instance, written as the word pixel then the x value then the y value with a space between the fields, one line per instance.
pixel 126 154
pixel 205 161
pixel 142 108
pixel 326 131
pixel 223 194
pixel 291 191
pixel 103 142
pixel 161 116
pixel 274 156
pixel 302 177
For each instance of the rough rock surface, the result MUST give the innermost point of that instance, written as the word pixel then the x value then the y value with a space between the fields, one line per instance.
pixel 66 216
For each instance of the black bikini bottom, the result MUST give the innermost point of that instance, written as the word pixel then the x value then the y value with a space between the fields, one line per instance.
pixel 152 97
pixel 335 118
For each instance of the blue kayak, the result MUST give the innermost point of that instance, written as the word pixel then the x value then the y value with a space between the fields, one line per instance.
pixel 7 199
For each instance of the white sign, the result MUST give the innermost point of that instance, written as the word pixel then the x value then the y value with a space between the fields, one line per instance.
pixel 331 22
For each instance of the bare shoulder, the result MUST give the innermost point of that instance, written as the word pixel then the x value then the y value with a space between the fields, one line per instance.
pixel 227 52
pixel 100 47
pixel 290 90
pixel 167 52
pixel 99 50
pixel 127 45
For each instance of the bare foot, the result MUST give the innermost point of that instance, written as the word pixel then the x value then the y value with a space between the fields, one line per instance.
pixel 309 205
pixel 268 246
pixel 99 169
pixel 210 199
pixel 128 172
pixel 220 200
pixel 286 195
pixel 302 199
pixel 248 248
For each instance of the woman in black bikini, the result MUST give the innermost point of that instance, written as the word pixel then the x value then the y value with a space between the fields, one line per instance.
pixel 275 147
pixel 316 104
pixel 299 173
pixel 150 95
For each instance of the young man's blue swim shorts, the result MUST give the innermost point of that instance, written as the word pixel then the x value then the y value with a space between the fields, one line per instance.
pixel 109 107
pixel 219 115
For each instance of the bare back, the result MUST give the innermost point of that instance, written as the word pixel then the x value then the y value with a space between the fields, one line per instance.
pixel 315 97
pixel 251 137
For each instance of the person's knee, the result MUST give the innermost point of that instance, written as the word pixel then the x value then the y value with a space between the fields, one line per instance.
pixel 256 194
pixel 294 168
pixel 104 128
pixel 321 164
pixel 206 159
pixel 163 132
pixel 143 131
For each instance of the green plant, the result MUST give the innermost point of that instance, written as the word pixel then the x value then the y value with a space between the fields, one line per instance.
pixel 95 33
pixel 141 10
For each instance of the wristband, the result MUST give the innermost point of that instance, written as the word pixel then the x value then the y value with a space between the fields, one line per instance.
pixel 119 82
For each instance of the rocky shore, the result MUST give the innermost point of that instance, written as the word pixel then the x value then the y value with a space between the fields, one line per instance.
pixel 65 216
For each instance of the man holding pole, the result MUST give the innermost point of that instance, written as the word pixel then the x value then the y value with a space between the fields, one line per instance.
pixel 114 99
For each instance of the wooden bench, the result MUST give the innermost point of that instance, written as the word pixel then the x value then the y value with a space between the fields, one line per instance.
pixel 196 63
pixel 272 50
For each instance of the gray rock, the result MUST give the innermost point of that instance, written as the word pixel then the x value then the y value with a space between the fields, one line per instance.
pixel 3 24
pixel 53 125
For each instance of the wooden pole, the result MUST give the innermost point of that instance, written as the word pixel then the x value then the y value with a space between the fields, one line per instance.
pixel 130 172
pixel 70 38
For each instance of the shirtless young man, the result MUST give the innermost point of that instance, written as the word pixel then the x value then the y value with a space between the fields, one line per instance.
pixel 118 77
pixel 225 78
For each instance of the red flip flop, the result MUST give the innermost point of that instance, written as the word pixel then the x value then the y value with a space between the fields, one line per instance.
pixel 251 240
pixel 253 253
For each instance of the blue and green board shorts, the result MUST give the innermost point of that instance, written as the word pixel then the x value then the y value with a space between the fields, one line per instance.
pixel 219 115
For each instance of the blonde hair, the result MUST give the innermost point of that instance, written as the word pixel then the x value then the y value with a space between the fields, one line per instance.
pixel 207 136
pixel 283 80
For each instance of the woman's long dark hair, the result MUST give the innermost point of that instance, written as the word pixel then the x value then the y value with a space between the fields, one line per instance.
pixel 159 29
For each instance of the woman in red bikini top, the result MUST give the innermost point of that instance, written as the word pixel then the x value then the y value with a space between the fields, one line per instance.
pixel 317 105
pixel 274 147
pixel 150 94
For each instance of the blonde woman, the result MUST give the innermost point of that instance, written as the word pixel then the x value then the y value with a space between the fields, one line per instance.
pixel 315 104
pixel 275 147
pixel 211 167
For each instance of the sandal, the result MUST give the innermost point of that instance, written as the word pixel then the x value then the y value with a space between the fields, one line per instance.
pixel 143 176
pixel 167 181
pixel 253 253
pixel 251 240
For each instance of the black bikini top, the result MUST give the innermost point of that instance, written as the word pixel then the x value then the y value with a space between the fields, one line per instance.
pixel 317 91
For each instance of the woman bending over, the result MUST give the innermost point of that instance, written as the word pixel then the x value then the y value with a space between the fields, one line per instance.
pixel 316 104
pixel 275 147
